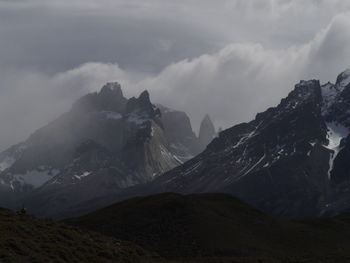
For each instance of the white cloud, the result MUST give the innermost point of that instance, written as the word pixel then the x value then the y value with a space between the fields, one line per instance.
pixel 243 79
pixel 232 85
pixel 30 99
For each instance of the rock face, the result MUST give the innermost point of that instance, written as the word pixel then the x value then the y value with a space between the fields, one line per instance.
pixel 105 143
pixel 291 160
pixel 206 132
pixel 178 131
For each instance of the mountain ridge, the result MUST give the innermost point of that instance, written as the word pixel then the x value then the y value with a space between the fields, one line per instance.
pixel 284 162
pixel 290 160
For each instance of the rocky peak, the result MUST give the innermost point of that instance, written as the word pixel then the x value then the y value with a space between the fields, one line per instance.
pixel 336 98
pixel 308 89
pixel 206 132
pixel 110 98
pixel 142 106
pixel 343 79
pixel 305 91
pixel 112 89
pixel 145 98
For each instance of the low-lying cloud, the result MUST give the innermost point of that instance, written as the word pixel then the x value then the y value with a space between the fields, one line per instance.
pixel 230 59
pixel 232 85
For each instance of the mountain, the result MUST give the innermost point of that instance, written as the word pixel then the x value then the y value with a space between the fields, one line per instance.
pixel 24 238
pixel 206 132
pixel 291 160
pixel 219 228
pixel 104 144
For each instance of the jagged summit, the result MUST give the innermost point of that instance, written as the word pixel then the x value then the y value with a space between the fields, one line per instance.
pixel 141 104
pixel 344 78
pixel 109 98
pixel 112 88
pixel 144 96
pixel 206 132
pixel 140 110
pixel 207 119
pixel 303 92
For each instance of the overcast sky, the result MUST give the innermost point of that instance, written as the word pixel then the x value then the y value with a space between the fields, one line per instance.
pixel 228 58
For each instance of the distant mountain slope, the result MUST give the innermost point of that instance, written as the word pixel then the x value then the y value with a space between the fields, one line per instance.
pixel 291 160
pixel 24 238
pixel 219 226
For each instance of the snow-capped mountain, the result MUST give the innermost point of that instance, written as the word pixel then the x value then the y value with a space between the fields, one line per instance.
pixel 291 160
pixel 103 144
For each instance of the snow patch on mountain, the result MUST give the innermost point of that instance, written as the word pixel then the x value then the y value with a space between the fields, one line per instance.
pixel 185 152
pixel 244 138
pixel 34 178
pixel 83 175
pixel 345 78
pixel 329 95
pixel 112 115
pixel 6 163
pixel 336 132
pixel 138 119
pixel 255 165
pixel 168 156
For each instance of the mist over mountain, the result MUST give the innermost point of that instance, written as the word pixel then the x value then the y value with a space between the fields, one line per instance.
pixel 229 60
pixel 104 144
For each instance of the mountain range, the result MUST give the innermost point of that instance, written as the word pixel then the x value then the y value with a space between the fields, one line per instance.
pixel 290 161
pixel 103 144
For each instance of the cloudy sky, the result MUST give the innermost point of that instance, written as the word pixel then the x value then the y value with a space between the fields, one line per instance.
pixel 228 58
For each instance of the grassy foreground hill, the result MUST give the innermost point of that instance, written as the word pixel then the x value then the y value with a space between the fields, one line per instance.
pixel 24 238
pixel 208 228
pixel 219 228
